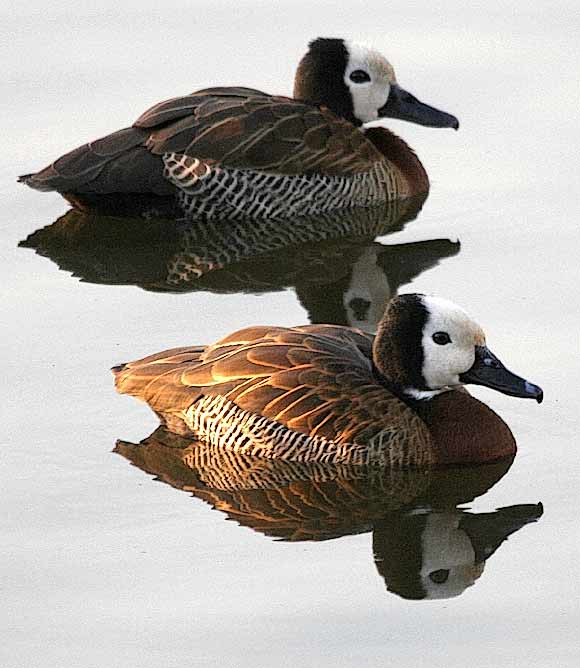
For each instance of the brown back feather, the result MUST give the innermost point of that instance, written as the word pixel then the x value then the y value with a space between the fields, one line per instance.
pixel 258 131
pixel 315 379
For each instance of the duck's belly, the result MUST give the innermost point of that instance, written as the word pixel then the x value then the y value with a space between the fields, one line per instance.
pixel 217 192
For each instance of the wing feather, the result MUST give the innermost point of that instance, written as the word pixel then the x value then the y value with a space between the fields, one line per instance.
pixel 253 130
pixel 316 380
pixel 240 128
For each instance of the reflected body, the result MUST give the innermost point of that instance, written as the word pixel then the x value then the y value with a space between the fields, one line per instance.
pixel 340 274
pixel 423 545
pixel 241 153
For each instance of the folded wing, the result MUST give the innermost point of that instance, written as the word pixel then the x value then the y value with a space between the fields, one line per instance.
pixel 230 127
pixel 316 380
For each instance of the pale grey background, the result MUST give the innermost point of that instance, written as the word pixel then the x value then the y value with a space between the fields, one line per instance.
pixel 102 566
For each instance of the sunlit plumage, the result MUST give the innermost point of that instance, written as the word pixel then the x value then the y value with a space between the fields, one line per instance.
pixel 333 394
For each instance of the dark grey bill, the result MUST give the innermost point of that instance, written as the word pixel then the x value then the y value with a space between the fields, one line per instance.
pixel 487 531
pixel 489 371
pixel 407 107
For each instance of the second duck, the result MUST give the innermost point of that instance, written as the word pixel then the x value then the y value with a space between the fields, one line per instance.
pixel 328 393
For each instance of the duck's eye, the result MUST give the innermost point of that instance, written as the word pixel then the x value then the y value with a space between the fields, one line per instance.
pixel 440 576
pixel 441 338
pixel 359 76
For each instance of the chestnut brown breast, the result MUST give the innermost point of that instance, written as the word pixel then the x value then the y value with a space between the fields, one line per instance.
pixel 465 430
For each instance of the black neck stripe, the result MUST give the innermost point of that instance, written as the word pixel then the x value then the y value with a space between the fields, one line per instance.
pixel 327 61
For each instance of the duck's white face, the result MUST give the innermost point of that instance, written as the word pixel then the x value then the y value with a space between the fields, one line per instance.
pixel 449 341
pixel 427 345
pixel 368 76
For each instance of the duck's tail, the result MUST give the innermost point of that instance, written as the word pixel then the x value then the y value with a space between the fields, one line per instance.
pixel 147 377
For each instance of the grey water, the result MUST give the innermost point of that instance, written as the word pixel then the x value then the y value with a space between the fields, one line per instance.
pixel 108 563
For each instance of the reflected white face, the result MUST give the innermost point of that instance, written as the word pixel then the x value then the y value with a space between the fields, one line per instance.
pixel 449 340
pixel 368 293
pixel 369 76
pixel 448 565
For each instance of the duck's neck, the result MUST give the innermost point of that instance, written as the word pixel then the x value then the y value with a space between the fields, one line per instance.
pixel 312 84
pixel 422 395
pixel 409 395
pixel 398 346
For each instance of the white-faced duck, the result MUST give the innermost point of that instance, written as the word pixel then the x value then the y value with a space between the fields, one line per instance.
pixel 335 394
pixel 223 152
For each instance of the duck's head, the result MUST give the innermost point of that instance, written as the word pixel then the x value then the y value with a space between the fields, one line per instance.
pixel 427 345
pixel 359 84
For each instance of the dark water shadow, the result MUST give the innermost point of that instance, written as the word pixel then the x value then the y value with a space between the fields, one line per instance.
pixel 340 273
pixel 424 545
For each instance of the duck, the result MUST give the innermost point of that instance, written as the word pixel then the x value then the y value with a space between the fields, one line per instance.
pixel 329 393
pixel 239 152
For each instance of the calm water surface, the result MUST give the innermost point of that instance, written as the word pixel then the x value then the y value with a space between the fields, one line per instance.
pixel 104 565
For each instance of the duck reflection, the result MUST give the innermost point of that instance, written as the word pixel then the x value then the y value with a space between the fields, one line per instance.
pixel 340 274
pixel 438 554
pixel 424 545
